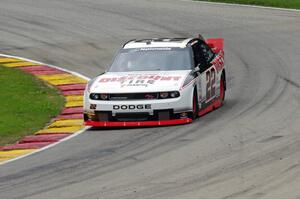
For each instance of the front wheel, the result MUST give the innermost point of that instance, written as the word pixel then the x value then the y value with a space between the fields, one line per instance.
pixel 222 89
pixel 194 114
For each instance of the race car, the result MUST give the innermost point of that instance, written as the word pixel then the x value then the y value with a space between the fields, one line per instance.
pixel 158 82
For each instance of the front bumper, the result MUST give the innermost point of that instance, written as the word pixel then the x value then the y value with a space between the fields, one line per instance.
pixel 121 113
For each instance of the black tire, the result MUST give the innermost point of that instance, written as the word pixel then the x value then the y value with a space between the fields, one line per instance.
pixel 222 89
pixel 195 112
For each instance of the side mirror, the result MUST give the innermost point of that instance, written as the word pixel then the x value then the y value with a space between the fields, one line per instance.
pixel 196 69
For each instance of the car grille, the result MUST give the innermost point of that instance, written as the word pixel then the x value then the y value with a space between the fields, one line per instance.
pixel 132 117
pixel 133 96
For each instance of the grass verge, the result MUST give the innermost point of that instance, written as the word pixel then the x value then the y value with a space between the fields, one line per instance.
pixel 26 104
pixel 295 4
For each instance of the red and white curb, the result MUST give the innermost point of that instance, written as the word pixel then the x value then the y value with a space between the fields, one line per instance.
pixel 68 124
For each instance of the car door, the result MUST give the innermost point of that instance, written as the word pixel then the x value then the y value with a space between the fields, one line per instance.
pixel 197 73
pixel 207 74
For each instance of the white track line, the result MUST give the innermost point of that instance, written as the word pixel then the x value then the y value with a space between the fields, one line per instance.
pixel 243 5
pixel 62 140
pixel 46 147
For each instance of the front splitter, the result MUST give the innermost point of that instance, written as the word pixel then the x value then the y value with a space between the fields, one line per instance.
pixel 139 123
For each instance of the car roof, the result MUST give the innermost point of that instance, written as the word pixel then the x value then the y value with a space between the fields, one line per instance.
pixel 160 42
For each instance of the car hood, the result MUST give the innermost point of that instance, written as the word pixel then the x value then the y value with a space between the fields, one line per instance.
pixel 133 82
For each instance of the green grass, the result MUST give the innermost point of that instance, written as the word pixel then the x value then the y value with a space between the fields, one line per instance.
pixel 26 104
pixel 273 3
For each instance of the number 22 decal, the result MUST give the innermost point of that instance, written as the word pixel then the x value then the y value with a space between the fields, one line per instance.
pixel 210 83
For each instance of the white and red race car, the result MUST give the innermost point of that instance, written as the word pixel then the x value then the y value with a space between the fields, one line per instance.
pixel 157 82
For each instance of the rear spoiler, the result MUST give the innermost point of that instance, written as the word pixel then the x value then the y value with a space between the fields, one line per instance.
pixel 216 44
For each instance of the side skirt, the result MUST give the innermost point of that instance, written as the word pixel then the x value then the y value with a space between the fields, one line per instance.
pixel 212 106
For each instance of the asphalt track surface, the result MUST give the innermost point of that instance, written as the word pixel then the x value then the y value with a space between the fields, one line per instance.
pixel 249 148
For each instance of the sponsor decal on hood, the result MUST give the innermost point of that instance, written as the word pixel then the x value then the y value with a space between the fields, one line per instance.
pixel 135 82
pixel 140 80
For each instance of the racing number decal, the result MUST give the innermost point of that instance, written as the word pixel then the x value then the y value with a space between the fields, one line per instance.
pixel 210 83
pixel 213 81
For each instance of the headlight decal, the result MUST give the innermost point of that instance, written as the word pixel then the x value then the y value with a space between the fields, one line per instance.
pixel 134 96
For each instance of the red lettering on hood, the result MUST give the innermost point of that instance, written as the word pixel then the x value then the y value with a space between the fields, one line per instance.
pixel 166 78
pixel 104 80
pixel 157 77
pixel 176 78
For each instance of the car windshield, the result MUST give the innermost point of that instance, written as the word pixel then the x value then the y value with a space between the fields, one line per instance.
pixel 152 59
